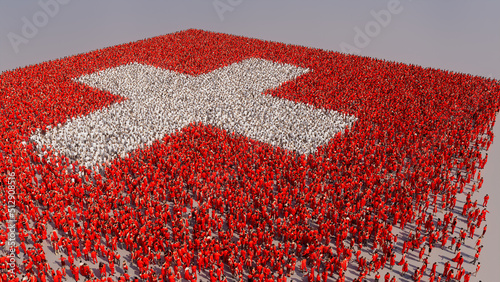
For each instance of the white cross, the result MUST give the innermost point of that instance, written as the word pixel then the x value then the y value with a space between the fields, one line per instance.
pixel 160 101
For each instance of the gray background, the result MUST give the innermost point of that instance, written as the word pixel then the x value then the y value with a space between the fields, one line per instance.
pixel 457 35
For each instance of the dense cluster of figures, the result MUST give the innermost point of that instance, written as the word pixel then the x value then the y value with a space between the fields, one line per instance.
pixel 204 203
pixel 160 102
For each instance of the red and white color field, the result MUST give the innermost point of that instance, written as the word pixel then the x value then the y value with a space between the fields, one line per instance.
pixel 199 155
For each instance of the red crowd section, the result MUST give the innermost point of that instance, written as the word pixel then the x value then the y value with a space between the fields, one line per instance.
pixel 203 200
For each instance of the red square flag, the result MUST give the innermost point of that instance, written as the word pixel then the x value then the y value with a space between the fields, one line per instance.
pixel 200 151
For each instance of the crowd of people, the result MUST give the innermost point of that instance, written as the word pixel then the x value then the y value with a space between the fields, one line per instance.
pixel 203 203
pixel 160 102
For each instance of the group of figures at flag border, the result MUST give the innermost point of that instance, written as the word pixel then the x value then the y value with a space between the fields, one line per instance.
pixel 203 203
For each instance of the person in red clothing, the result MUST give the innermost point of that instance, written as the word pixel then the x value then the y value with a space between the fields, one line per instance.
pixel 421 254
pixel 433 269
pixel 112 268
pixel 76 273
pixel 484 231
pixel 403 260
pixel 457 256
pixel 405 269
pixel 71 259
pixel 213 278
pixel 485 201
pixel 457 246
pixel 310 275
pixel 472 229
pixel 393 261
pixel 83 270
pixel 93 255
pixel 187 275
pixel 102 269
pixel 460 262
pixel 450 275
pixel 125 266
pixel 446 268
pixel 303 266
pixel 377 277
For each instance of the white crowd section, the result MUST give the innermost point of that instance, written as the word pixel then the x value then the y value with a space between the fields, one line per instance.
pixel 160 101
